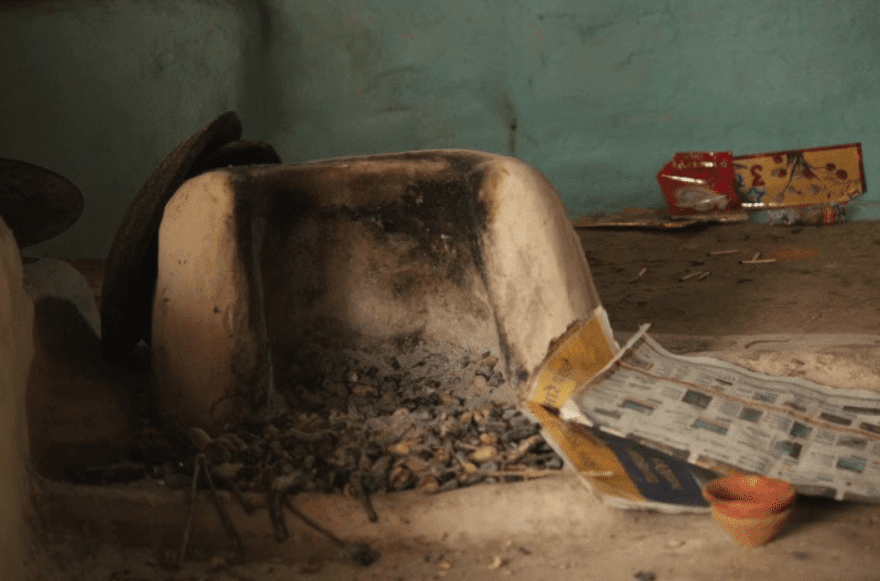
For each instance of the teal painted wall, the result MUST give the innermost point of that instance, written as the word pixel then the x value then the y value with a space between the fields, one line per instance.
pixel 597 95
pixel 100 92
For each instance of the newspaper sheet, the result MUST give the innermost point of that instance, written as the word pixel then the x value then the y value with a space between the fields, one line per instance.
pixel 650 427
pixel 621 472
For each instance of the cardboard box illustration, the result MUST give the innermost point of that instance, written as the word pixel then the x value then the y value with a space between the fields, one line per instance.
pixel 714 182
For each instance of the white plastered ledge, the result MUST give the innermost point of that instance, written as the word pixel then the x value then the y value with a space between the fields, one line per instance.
pixel 16 356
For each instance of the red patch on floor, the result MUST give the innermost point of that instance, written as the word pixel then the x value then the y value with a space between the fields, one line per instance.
pixel 790 253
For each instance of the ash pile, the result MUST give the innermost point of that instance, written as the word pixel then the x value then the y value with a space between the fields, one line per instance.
pixel 356 422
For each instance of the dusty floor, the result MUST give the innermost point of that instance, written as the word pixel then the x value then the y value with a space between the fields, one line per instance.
pixel 824 280
pixel 824 541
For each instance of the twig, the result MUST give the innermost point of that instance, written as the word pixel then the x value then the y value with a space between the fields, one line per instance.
pixel 364 497
pixel 704 275
pixel 694 274
pixel 191 513
pixel 756 259
pixel 359 553
pixel 641 274
pixel 357 482
pixel 221 510
pixel 301 516
pixel 722 252
pixel 525 447
pixel 756 341
pixel 236 492
pixel 274 499
pixel 308 437
pixel 528 474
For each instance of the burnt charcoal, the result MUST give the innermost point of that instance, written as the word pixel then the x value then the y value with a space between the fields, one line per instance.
pixel 419 401
pixel 521 433
pixel 390 423
pixel 494 427
pixel 462 453
pixel 373 451
pixel 401 478
pixel 308 461
pixel 336 388
pixel 336 480
pixel 451 484
pixel 312 400
pixel 371 377
pixel 509 414
pixel 545 457
pixel 377 479
pixel 543 447
pixel 472 479
pixel 422 415
pixel 520 422
pixel 395 378
pixel 385 408
pixel 360 403
pixel 484 371
pixel 389 384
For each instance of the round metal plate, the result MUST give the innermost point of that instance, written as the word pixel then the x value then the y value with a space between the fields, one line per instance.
pixel 37 204
pixel 130 275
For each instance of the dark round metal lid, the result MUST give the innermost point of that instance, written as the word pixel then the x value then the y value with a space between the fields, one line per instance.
pixel 37 204
pixel 236 153
pixel 130 274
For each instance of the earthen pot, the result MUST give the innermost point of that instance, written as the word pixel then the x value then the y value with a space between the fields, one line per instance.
pixel 752 509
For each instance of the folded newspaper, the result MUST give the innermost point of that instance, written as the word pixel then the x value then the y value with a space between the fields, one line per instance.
pixel 646 428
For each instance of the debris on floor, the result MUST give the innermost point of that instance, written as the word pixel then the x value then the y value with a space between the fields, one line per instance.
pixel 654 219
pixel 795 187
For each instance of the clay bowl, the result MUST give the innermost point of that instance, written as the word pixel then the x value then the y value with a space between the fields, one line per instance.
pixel 751 509
pixel 752 532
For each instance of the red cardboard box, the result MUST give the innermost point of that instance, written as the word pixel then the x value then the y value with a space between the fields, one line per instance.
pixel 699 182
